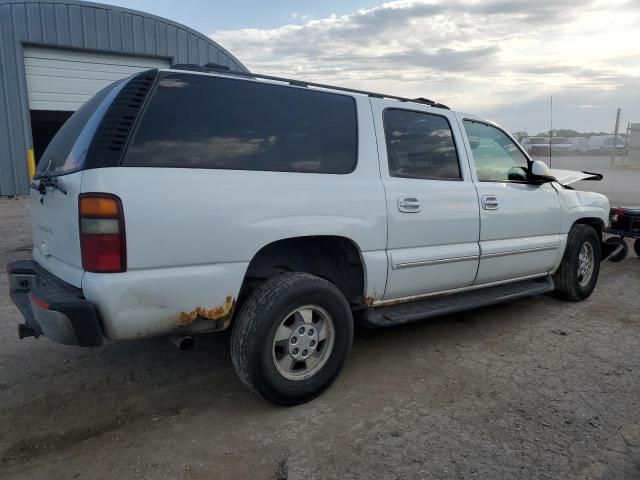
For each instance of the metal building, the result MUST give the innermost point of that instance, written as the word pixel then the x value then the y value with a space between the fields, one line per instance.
pixel 55 54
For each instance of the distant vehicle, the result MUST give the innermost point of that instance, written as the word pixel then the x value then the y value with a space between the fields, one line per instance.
pixel 536 145
pixel 561 145
pixel 579 144
pixel 602 144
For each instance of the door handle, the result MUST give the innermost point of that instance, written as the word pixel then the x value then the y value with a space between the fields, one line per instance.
pixel 490 202
pixel 409 204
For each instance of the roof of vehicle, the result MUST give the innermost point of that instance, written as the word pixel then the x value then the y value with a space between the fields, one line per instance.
pixel 220 70
pixel 223 71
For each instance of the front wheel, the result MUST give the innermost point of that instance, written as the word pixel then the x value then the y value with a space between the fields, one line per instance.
pixel 291 338
pixel 577 275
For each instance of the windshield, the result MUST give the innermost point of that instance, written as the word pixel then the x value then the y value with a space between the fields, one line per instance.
pixel 65 153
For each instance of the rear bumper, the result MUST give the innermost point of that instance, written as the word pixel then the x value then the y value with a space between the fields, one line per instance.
pixel 51 307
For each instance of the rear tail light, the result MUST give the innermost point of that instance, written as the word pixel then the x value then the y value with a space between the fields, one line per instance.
pixel 102 239
pixel 615 214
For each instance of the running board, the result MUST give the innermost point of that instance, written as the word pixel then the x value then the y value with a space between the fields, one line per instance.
pixel 387 316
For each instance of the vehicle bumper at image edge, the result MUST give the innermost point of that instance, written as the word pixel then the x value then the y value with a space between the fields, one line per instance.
pixel 51 307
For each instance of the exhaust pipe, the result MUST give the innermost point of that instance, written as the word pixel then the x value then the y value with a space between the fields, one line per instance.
pixel 183 343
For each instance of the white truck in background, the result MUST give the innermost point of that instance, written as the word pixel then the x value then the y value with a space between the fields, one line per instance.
pixel 579 145
pixel 538 146
pixel 603 144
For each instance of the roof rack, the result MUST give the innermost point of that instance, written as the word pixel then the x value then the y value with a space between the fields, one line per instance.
pixel 214 67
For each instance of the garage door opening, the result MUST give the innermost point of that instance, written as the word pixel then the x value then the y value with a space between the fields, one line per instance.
pixel 59 81
pixel 44 125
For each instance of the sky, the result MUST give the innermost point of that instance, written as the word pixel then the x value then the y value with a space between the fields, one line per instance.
pixel 500 59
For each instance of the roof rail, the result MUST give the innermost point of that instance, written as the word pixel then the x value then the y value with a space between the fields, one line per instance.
pixel 214 67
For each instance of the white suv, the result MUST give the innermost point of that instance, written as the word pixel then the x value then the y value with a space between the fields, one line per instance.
pixel 184 201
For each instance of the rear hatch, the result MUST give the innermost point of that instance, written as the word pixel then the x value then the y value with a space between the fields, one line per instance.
pixel 89 139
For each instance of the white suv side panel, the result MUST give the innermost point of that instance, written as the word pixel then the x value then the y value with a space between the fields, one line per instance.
pixel 519 223
pixel 436 247
pixel 191 233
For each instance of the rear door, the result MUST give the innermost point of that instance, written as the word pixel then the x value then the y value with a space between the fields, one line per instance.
pixel 56 186
pixel 432 204
pixel 519 221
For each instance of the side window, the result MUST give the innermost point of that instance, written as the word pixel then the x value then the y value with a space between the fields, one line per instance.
pixel 495 155
pixel 198 121
pixel 420 145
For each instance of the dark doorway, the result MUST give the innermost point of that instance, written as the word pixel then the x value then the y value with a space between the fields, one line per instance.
pixel 44 125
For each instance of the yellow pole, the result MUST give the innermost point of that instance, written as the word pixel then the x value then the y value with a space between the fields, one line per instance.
pixel 31 161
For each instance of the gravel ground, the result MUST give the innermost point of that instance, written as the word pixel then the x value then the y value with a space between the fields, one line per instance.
pixel 538 389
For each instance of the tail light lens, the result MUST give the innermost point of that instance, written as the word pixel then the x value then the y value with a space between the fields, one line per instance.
pixel 102 239
pixel 615 214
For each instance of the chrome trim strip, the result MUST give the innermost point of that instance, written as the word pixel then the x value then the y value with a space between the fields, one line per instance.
pixel 411 298
pixel 439 261
pixel 516 252
pixel 422 263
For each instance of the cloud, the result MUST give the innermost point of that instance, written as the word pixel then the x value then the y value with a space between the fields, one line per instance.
pixel 482 56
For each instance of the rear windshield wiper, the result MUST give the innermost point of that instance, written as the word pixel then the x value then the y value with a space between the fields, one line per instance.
pixel 47 181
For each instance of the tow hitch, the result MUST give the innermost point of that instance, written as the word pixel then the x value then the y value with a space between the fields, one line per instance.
pixel 25 331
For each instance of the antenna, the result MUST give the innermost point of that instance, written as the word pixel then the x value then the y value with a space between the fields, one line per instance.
pixel 551 130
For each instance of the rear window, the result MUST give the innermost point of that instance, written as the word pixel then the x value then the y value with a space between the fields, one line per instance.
pixel 196 121
pixel 60 156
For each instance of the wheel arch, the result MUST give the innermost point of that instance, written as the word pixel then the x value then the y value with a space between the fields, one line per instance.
pixel 606 249
pixel 337 259
pixel 595 222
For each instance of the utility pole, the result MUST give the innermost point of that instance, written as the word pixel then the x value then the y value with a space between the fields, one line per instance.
pixel 550 131
pixel 615 138
pixel 626 143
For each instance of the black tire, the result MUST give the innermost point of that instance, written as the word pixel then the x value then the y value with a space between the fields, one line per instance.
pixel 621 253
pixel 636 247
pixel 260 317
pixel 567 279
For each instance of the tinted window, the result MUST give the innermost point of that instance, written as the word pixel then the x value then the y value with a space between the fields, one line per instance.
pixel 207 122
pixel 420 145
pixel 59 158
pixel 495 155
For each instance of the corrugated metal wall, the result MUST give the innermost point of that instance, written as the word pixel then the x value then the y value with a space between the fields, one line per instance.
pixel 78 25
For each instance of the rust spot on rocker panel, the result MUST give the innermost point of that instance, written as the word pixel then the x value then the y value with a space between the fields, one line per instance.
pixel 221 314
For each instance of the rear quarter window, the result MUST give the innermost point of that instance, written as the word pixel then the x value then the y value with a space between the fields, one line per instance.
pixel 66 153
pixel 195 121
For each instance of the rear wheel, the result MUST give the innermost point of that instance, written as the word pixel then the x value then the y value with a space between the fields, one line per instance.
pixel 291 338
pixel 577 275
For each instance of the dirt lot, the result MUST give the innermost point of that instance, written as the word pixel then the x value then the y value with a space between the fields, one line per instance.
pixel 535 389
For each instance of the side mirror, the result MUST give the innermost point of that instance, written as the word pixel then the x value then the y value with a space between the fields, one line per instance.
pixel 540 173
pixel 518 174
